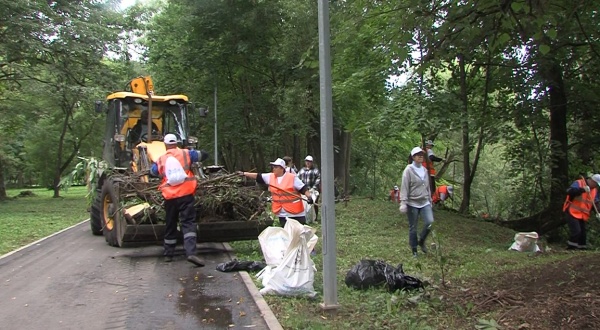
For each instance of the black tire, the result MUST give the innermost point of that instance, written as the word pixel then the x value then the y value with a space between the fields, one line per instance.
pixel 111 214
pixel 95 214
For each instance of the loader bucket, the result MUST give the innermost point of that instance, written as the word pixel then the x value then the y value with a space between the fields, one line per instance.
pixel 225 231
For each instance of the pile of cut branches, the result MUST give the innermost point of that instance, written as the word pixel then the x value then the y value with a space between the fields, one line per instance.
pixel 218 198
pixel 225 198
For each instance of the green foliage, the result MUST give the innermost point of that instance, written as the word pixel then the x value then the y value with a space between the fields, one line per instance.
pixel 57 71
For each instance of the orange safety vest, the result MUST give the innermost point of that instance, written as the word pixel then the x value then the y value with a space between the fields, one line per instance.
pixel 439 190
pixel 428 163
pixel 581 205
pixel 188 187
pixel 395 195
pixel 284 195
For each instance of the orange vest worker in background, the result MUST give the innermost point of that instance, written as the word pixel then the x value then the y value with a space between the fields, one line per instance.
pixel 581 196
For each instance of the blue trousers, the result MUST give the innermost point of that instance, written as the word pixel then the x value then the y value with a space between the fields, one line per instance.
pixel 413 213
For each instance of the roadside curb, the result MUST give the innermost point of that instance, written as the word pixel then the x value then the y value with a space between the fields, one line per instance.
pixel 40 240
pixel 264 308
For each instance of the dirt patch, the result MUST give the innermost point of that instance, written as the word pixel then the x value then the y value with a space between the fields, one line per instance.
pixel 561 295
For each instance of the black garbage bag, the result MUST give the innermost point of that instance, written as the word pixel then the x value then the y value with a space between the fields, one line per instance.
pixel 398 280
pixel 368 273
pixel 235 265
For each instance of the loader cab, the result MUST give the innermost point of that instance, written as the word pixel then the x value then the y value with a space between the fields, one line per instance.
pixel 126 128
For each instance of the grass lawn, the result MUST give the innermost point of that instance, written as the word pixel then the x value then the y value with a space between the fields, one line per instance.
pixel 26 219
pixel 468 250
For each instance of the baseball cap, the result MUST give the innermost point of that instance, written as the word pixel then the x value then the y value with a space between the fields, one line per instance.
pixel 596 177
pixel 309 158
pixel 415 151
pixel 278 162
pixel 170 139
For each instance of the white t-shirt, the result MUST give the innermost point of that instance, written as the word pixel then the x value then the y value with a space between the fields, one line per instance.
pixel 297 185
pixel 420 170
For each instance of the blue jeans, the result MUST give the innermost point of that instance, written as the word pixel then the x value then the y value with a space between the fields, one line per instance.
pixel 413 215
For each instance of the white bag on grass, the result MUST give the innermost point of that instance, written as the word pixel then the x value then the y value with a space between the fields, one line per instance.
pixel 526 242
pixel 275 241
pixel 296 274
pixel 311 215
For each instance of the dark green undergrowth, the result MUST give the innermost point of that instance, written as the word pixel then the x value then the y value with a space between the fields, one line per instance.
pixel 466 249
pixel 26 219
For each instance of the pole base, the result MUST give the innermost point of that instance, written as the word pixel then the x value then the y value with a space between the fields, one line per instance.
pixel 332 309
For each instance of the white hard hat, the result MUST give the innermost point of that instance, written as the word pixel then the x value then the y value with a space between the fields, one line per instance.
pixel 596 177
pixel 309 158
pixel 415 151
pixel 278 162
pixel 170 139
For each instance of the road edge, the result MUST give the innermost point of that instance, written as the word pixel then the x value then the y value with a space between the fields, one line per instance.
pixel 41 239
pixel 263 307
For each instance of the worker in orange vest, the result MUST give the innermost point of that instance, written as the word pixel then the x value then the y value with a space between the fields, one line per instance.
pixel 178 188
pixel 428 163
pixel 442 193
pixel 395 195
pixel 581 197
pixel 286 192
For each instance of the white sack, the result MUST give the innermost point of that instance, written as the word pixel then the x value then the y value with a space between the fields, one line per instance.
pixel 295 275
pixel 275 241
pixel 526 242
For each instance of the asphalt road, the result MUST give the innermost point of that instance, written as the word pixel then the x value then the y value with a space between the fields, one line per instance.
pixel 74 280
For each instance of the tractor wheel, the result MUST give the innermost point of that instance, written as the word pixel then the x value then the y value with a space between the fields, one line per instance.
pixel 96 214
pixel 113 221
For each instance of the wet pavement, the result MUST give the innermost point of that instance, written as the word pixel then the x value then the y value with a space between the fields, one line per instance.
pixel 74 280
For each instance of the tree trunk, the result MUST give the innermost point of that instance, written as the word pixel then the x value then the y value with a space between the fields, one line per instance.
pixel 3 194
pixel 59 156
pixel 558 136
pixel 466 198
pixel 342 159
pixel 552 217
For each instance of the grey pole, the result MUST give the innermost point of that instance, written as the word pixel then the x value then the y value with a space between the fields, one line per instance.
pixel 328 201
pixel 216 149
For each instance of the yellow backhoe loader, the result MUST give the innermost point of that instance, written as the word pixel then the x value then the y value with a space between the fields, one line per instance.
pixel 125 208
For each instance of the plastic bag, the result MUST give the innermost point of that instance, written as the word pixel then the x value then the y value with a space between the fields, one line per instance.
pixel 236 265
pixel 275 241
pixel 295 274
pixel 368 273
pixel 311 214
pixel 374 273
pixel 174 171
pixel 398 280
pixel 526 242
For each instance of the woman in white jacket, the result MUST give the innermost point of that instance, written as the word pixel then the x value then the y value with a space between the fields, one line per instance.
pixel 415 199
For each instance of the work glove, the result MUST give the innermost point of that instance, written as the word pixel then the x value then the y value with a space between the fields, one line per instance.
pixel 309 200
pixel 240 173
pixel 587 189
pixel 598 216
pixel 403 208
